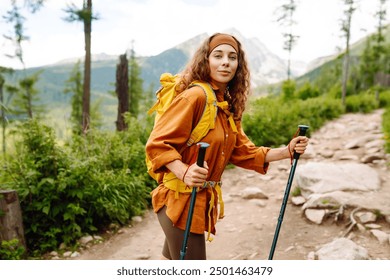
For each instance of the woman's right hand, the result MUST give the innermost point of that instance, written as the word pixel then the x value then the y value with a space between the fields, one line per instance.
pixel 195 176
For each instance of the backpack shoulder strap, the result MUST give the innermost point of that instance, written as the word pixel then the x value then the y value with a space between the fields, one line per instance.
pixel 209 115
pixel 207 121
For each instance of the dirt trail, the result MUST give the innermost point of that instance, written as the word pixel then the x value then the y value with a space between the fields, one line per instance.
pixel 248 228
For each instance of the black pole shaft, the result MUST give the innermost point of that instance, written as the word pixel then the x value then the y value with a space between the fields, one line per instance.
pixel 201 154
pixel 283 209
pixel 302 132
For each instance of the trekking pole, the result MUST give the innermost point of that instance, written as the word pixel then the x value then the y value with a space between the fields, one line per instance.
pixel 302 132
pixel 202 151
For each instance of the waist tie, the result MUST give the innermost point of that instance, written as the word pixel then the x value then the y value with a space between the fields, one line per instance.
pixel 173 183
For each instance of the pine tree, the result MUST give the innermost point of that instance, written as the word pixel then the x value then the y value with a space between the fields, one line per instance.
pixel 84 15
pixel 366 66
pixel 26 101
pixel 135 85
pixel 346 30
pixel 379 48
pixel 15 17
pixel 286 18
pixel 74 86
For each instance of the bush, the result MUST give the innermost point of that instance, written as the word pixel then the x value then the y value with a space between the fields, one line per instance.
pixel 361 103
pixel 67 192
pixel 384 99
pixel 271 122
pixel 307 91
pixel 262 124
pixel 386 128
pixel 288 90
pixel 11 250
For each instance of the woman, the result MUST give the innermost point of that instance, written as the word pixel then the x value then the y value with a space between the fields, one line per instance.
pixel 221 62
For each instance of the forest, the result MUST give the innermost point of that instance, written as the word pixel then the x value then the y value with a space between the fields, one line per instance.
pixel 80 178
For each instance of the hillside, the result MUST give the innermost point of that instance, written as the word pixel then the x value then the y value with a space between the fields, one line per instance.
pixel 322 64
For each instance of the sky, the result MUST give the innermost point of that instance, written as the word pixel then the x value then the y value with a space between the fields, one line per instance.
pixel 153 26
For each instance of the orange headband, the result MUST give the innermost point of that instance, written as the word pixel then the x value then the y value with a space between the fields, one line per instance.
pixel 220 39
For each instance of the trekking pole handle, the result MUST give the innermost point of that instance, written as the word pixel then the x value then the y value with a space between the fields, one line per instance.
pixel 202 152
pixel 302 132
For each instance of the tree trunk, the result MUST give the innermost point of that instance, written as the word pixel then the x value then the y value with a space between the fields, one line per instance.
pixel 29 103
pixel 345 76
pixel 347 30
pixel 2 109
pixel 11 223
pixel 87 68
pixel 122 91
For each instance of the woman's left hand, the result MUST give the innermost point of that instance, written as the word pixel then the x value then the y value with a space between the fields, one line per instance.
pixel 298 144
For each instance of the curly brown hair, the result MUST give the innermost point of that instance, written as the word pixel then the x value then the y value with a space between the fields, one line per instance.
pixel 198 69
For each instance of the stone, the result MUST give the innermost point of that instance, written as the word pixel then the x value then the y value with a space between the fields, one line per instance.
pixel 53 254
pixel 366 217
pixel 298 200
pixel 75 255
pixel 342 249
pixel 322 177
pixel 85 239
pixel 327 153
pixel 349 157
pixel 353 144
pixel 382 236
pixel 136 219
pixel 253 193
pixel 328 200
pixel 372 226
pixel 315 215
pixel 67 254
pixel 371 158
pixel 259 202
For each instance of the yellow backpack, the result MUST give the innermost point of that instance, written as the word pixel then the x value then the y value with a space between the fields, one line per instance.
pixel 167 93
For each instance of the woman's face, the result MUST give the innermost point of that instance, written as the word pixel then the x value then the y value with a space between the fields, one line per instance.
pixel 223 62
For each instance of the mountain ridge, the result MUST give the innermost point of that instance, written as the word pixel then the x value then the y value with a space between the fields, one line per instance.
pixel 266 67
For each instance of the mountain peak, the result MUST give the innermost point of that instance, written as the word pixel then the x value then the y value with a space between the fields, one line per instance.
pixel 233 31
pixel 189 47
pixel 94 57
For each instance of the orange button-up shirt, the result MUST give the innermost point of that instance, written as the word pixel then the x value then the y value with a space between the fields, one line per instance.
pixel 170 136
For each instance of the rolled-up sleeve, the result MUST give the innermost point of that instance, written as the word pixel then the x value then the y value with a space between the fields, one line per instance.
pixel 247 155
pixel 172 130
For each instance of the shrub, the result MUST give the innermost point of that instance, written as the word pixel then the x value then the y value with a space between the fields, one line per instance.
pixel 384 99
pixel 271 122
pixel 11 250
pixel 288 89
pixel 307 91
pixel 386 128
pixel 361 103
pixel 67 192
pixel 263 123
